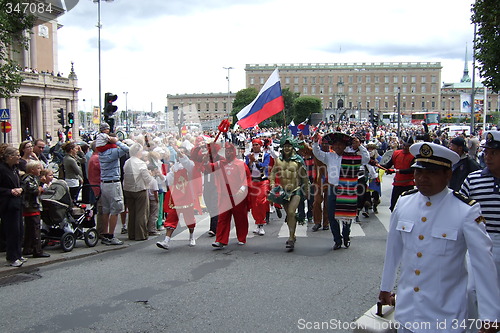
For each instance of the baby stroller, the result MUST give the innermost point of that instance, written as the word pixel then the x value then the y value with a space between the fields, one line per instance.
pixel 65 221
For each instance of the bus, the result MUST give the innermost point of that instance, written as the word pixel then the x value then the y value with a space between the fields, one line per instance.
pixel 431 118
pixel 391 118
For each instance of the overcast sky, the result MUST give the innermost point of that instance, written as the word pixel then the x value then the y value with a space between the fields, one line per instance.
pixel 152 48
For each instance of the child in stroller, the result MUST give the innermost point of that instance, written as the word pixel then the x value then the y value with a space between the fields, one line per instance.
pixel 65 221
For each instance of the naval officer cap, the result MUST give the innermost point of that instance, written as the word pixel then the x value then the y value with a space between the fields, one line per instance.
pixel 432 156
pixel 492 140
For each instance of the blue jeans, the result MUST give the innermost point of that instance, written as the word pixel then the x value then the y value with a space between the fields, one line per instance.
pixel 334 224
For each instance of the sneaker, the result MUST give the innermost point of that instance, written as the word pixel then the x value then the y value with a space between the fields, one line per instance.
pixel 106 241
pixel 162 245
pixel 290 244
pixel 218 245
pixel 161 228
pixel 192 242
pixel 316 227
pixel 365 214
pixel 375 210
pixel 124 230
pixel 23 259
pixel 261 231
pixel 15 263
pixel 153 233
pixel 256 231
pixel 115 241
pixel 326 228
pixel 211 233
pixel 241 243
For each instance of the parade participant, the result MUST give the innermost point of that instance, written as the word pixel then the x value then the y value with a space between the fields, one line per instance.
pixel 351 177
pixel 464 166
pixel 233 177
pixel 258 163
pixel 294 183
pixel 320 190
pixel 430 232
pixel 209 182
pixel 309 159
pixel 11 204
pixel 343 165
pixel 30 183
pixel 402 160
pixel 484 187
pixel 179 199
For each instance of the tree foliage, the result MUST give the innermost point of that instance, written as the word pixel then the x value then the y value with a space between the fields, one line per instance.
pixel 12 39
pixel 305 106
pixel 486 14
pixel 285 117
pixel 242 99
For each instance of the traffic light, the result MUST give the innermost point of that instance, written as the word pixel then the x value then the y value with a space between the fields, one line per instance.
pixel 60 116
pixel 176 115
pixel 375 119
pixel 371 117
pixel 71 118
pixel 182 119
pixel 109 108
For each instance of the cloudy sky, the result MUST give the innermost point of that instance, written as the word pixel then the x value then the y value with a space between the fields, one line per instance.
pixel 152 48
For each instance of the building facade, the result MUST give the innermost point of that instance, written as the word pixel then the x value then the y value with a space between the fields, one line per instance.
pixel 206 109
pixel 358 87
pixel 33 109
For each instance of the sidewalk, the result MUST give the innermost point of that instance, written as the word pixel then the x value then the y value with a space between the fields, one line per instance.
pixel 57 255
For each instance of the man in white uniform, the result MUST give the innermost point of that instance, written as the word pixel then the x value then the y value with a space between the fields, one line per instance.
pixel 431 229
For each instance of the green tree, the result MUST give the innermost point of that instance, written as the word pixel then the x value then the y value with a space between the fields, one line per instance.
pixel 285 117
pixel 304 107
pixel 486 14
pixel 242 99
pixel 13 24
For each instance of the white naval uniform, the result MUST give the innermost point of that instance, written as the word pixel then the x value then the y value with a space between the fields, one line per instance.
pixel 428 239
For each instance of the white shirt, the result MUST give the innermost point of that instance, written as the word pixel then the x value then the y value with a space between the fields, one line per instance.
pixel 333 161
pixel 136 176
pixel 428 239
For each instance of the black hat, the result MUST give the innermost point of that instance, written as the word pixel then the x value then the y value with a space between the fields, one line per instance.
pixel 331 138
pixel 460 142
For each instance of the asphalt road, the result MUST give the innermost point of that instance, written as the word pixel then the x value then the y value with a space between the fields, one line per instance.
pixel 258 287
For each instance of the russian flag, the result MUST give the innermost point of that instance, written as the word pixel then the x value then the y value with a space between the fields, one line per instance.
pixel 267 103
pixel 293 128
pixel 304 127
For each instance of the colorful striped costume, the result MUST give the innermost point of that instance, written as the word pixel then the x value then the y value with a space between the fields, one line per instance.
pixel 347 198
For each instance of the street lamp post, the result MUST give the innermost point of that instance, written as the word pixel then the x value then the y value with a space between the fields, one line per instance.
pixel 99 27
pixel 127 127
pixel 228 91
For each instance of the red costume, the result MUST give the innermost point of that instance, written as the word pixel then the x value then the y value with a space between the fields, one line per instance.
pixel 179 199
pixel 233 179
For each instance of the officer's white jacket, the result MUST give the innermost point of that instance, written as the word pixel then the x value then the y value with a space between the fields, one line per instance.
pixel 428 239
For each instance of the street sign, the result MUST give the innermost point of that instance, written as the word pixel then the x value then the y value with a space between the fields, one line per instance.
pixel 6 127
pixel 4 114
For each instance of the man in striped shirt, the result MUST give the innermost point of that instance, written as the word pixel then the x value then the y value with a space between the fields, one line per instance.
pixel 484 187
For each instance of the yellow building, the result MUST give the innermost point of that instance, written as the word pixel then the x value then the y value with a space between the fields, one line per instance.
pixel 33 109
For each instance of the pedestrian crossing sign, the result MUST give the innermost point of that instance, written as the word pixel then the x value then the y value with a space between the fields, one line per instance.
pixel 4 114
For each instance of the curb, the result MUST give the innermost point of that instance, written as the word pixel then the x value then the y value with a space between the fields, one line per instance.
pixel 76 253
